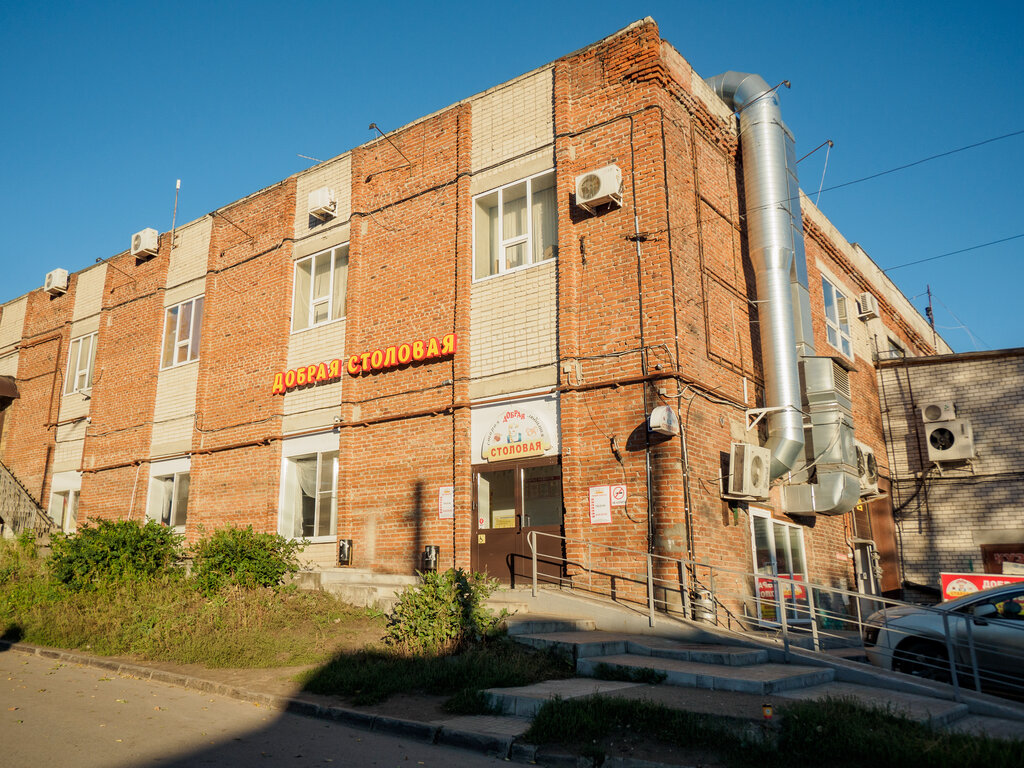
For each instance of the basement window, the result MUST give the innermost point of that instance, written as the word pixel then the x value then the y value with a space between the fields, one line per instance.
pixel 182 325
pixel 168 492
pixel 837 318
pixel 515 226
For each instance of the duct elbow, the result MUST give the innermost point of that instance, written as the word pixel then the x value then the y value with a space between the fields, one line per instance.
pixel 785 452
pixel 836 493
pixel 738 89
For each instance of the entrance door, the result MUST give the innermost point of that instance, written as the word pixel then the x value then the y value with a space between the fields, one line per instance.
pixel 778 551
pixel 511 500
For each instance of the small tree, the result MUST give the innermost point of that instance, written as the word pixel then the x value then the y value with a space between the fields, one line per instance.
pixel 242 557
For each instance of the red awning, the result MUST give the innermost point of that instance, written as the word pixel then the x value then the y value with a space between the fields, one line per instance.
pixel 7 387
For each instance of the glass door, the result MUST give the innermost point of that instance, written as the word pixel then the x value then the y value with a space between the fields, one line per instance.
pixel 778 549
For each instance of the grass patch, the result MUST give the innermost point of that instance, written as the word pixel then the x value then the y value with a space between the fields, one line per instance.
pixel 374 674
pixel 834 733
pixel 167 619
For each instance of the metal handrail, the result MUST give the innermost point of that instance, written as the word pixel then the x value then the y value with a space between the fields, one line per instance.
pixel 821 615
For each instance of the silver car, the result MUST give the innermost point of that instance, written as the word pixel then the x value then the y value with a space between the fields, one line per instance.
pixel 986 628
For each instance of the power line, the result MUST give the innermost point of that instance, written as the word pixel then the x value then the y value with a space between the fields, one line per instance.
pixel 954 253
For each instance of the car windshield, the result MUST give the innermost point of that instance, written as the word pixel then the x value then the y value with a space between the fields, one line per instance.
pixel 996 595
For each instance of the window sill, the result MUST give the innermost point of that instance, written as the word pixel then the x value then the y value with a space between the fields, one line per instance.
pixel 178 365
pixel 515 271
pixel 319 325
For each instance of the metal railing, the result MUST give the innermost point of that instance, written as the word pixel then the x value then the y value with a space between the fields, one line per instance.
pixel 933 642
pixel 18 510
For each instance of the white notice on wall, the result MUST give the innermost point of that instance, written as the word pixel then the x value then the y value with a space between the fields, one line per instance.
pixel 618 494
pixel 600 505
pixel 446 502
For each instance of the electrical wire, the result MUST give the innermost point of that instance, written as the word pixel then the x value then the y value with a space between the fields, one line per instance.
pixel 955 253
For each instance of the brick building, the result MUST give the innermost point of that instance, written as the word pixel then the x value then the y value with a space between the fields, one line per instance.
pixel 457 333
pixel 953 424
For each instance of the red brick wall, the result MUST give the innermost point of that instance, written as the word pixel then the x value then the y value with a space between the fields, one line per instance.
pixel 29 429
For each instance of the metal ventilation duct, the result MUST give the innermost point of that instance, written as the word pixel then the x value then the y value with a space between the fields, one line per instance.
pixel 769 212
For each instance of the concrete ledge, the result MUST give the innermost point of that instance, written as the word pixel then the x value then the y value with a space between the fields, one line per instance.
pixel 498 746
pixel 410 728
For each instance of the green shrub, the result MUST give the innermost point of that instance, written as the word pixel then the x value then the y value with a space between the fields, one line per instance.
pixel 443 613
pixel 114 551
pixel 242 557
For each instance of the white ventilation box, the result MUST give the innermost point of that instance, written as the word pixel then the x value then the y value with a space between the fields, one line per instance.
pixel 664 421
pixel 748 471
pixel 868 306
pixel 323 204
pixel 145 244
pixel 598 187
pixel 56 282
pixel 867 468
pixel 939 410
pixel 950 440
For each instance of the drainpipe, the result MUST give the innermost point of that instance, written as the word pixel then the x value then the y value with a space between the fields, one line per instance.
pixel 771 244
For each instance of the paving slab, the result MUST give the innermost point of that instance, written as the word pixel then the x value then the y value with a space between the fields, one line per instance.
pixel 936 712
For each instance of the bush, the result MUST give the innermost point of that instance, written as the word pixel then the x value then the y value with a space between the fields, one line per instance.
pixel 114 551
pixel 443 613
pixel 242 557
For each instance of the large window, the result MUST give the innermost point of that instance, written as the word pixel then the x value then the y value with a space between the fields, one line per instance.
pixel 320 286
pixel 81 357
pixel 837 318
pixel 309 503
pixel 515 226
pixel 168 492
pixel 64 509
pixel 182 325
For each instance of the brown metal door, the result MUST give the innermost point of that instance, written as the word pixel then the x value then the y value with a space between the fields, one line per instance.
pixel 510 501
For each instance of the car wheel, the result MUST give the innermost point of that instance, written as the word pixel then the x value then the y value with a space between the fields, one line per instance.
pixel 922 658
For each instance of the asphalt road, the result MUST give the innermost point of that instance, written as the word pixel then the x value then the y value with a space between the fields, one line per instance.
pixel 54 713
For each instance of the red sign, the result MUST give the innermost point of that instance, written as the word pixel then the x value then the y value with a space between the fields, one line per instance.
pixel 766 587
pixel 960 584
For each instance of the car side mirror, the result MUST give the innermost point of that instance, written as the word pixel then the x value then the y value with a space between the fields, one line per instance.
pixel 983 612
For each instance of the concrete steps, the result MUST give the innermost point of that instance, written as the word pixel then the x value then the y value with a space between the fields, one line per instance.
pixel 357 586
pixel 923 709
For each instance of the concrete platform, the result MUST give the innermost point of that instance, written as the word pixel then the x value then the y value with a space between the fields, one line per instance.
pixel 935 712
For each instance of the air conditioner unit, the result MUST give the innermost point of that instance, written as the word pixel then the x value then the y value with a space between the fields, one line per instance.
pixel 938 411
pixel 868 305
pixel 664 421
pixel 748 471
pixel 145 244
pixel 595 188
pixel 867 468
pixel 322 203
pixel 950 440
pixel 56 282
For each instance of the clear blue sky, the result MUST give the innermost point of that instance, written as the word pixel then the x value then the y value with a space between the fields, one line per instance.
pixel 105 104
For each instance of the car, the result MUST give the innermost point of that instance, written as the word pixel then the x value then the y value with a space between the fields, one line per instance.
pixel 986 627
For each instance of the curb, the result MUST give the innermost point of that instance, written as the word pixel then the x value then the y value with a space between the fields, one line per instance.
pixel 503 747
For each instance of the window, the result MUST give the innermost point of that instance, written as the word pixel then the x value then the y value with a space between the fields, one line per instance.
pixel 64 509
pixel 182 325
pixel 81 357
pixel 309 503
pixel 320 286
pixel 168 498
pixel 515 226
pixel 837 319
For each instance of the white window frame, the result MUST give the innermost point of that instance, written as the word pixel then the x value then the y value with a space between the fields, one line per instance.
pixel 755 513
pixel 190 343
pixel 337 252
pixel 65 486
pixel 837 332
pixel 303 447
pixel 178 469
pixel 78 377
pixel 525 238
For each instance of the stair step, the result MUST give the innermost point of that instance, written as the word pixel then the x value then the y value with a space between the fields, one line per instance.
pixel 527 700
pixel 995 727
pixel 596 643
pixel 758 679
pixel 534 624
pixel 935 712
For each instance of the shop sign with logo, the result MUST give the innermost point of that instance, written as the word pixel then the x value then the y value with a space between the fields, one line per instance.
pixel 959 584
pixel 517 433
